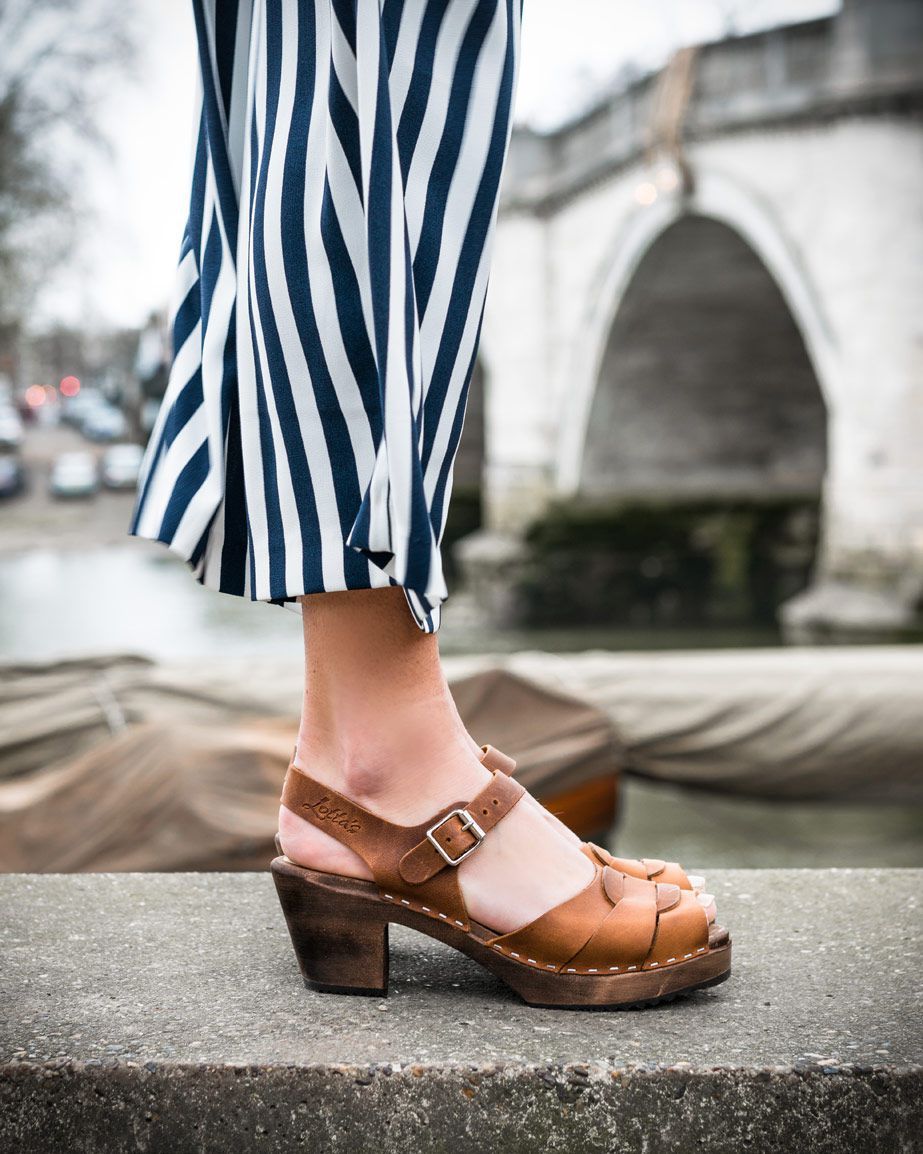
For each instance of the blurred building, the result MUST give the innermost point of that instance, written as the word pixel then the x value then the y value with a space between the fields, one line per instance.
pixel 703 347
pixel 151 372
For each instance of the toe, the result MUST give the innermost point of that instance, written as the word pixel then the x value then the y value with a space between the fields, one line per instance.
pixel 707 901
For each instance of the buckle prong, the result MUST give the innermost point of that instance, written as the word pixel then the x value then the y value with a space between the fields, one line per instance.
pixel 468 823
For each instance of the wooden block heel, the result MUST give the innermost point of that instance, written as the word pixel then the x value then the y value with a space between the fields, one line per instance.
pixel 340 949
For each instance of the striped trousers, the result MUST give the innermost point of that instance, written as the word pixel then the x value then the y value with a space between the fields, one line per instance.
pixel 329 294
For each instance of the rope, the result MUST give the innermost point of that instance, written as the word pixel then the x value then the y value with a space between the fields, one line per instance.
pixel 670 107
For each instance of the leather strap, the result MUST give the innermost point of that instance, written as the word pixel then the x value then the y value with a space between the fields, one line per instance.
pixel 681 932
pixel 494 759
pixel 616 924
pixel 652 869
pixel 456 834
pixel 622 937
pixel 362 831
pixel 401 856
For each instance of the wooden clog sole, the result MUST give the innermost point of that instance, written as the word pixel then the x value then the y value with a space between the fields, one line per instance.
pixel 339 930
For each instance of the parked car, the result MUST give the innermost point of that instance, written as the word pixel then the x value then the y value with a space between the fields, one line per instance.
pixel 121 465
pixel 75 410
pixel 149 411
pixel 104 423
pixel 10 428
pixel 74 475
pixel 12 476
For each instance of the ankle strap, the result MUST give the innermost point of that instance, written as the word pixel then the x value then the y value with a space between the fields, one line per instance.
pixel 494 759
pixel 404 854
pixel 451 838
pixel 336 815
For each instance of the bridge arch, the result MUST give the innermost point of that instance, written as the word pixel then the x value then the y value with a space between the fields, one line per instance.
pixel 717 199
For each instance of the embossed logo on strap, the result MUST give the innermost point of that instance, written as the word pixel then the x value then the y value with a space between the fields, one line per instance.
pixel 326 812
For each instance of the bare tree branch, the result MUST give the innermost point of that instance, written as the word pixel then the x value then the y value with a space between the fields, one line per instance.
pixel 58 62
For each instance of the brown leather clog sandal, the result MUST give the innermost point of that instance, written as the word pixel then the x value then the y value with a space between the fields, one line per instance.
pixel 620 942
pixel 649 869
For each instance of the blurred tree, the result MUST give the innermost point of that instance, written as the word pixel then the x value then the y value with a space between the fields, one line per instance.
pixel 57 59
pixel 102 359
pixel 731 12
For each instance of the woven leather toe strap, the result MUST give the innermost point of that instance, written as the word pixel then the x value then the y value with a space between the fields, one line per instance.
pixel 669 871
pixel 615 924
pixel 650 869
pixel 682 932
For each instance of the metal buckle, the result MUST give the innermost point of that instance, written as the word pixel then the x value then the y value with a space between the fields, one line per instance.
pixel 468 822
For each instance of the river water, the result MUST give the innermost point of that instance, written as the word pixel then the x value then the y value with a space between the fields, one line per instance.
pixel 135 596
pixel 122 598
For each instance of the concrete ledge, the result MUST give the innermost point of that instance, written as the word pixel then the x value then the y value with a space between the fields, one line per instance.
pixel 165 1012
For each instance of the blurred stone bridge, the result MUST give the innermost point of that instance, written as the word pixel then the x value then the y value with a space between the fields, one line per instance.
pixel 711 286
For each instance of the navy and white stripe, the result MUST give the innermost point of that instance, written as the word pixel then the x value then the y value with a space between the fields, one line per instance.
pixel 330 291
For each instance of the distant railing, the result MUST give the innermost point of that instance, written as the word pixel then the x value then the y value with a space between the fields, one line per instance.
pixel 864 60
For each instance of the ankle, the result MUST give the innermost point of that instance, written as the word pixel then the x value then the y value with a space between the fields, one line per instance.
pixel 405 769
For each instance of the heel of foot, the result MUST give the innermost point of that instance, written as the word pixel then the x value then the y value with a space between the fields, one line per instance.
pixel 307 846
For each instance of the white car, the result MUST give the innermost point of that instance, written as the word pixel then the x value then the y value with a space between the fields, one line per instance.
pixel 121 465
pixel 104 423
pixel 74 475
pixel 10 428
pixel 75 410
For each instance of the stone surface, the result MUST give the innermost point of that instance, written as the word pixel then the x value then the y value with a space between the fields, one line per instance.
pixel 159 1012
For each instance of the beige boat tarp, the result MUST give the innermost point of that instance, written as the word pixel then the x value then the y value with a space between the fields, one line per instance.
pixel 122 765
pixel 787 723
pixel 119 763
pixel 792 723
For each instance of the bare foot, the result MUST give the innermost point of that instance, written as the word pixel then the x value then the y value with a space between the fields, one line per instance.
pixel 695 880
